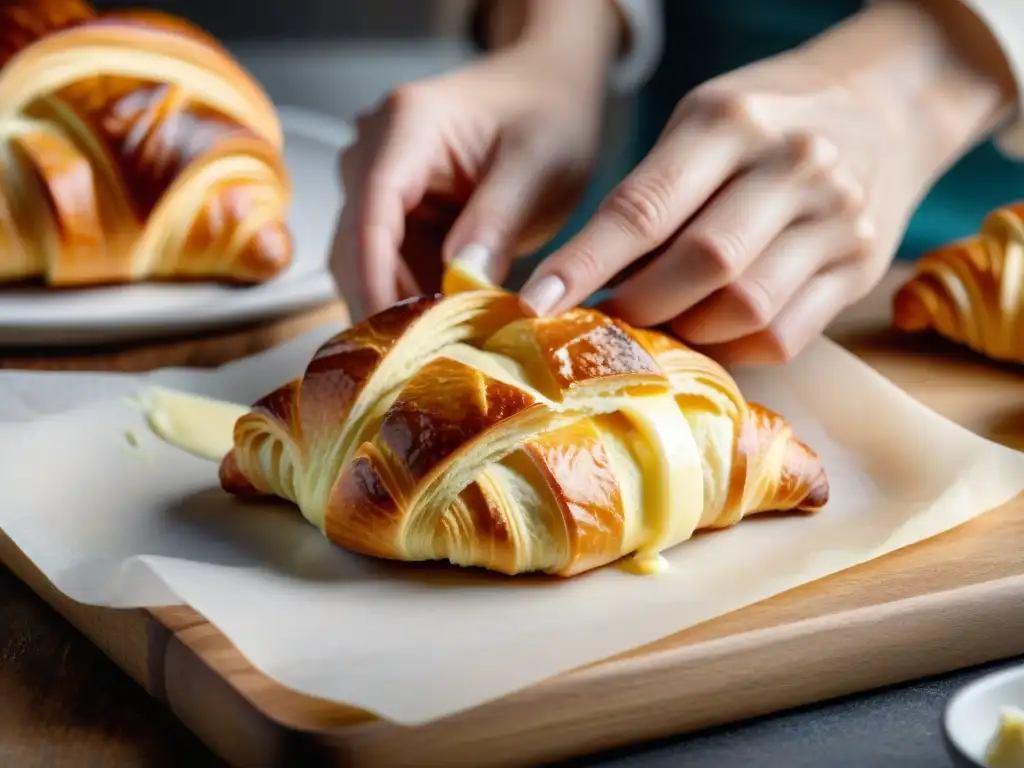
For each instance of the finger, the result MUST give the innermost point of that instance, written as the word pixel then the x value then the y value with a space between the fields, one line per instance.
pixel 524 181
pixel 730 234
pixel 344 267
pixel 751 302
pixel 683 170
pixel 384 177
pixel 712 251
pixel 803 319
pixel 406 283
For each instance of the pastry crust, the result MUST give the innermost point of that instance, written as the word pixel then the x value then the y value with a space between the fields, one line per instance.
pixel 971 291
pixel 460 428
pixel 133 147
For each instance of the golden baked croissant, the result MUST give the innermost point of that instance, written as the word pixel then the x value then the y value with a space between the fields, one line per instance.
pixel 133 147
pixel 971 291
pixel 459 428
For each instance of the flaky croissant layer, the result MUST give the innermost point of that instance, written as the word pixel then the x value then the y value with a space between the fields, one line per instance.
pixel 132 147
pixel 458 428
pixel 971 291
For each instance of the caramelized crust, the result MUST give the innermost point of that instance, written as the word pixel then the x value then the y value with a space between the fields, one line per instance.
pixel 971 291
pixel 458 428
pixel 133 147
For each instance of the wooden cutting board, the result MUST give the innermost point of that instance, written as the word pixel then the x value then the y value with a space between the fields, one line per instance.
pixel 948 603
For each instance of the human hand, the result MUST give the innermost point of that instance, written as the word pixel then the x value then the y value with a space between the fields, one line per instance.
pixel 486 162
pixel 777 194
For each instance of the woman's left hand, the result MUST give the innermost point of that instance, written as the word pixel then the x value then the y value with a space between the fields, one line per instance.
pixel 777 194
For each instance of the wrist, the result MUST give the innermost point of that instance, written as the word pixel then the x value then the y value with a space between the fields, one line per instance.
pixel 932 69
pixel 575 39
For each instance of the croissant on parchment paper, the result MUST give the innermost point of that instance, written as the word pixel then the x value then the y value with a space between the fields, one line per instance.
pixel 459 428
pixel 972 291
pixel 133 147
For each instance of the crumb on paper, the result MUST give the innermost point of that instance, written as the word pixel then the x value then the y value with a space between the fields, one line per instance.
pixel 1006 750
pixel 131 438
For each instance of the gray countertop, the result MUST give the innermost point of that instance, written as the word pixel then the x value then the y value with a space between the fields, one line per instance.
pixel 898 726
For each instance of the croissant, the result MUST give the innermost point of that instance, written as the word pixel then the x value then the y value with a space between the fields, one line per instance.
pixel 458 427
pixel 971 291
pixel 132 147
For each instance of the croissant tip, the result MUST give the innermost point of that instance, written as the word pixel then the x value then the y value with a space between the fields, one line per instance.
pixel 231 478
pixel 268 253
pixel 910 313
pixel 818 494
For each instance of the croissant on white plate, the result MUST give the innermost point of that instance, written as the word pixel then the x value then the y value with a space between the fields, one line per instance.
pixel 971 291
pixel 460 428
pixel 133 147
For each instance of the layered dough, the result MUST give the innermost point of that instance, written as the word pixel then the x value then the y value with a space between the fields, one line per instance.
pixel 133 147
pixel 460 428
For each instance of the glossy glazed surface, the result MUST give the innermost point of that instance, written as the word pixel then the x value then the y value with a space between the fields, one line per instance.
pixel 133 148
pixel 460 428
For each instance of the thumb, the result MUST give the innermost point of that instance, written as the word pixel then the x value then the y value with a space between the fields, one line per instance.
pixel 500 220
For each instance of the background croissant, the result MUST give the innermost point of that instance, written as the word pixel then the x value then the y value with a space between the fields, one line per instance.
pixel 458 428
pixel 133 147
pixel 971 291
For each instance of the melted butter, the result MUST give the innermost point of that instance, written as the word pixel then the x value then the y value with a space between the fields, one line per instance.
pixel 1007 747
pixel 674 477
pixel 645 564
pixel 199 425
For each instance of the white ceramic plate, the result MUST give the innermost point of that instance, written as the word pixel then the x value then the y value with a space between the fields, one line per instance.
pixel 972 715
pixel 35 316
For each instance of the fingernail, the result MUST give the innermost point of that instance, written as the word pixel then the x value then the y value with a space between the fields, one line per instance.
pixel 541 296
pixel 479 259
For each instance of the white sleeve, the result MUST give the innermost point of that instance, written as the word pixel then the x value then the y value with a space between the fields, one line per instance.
pixel 646 28
pixel 1005 20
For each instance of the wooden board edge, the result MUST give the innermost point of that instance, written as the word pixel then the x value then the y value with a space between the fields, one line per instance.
pixel 698 687
pixel 601 707
pixel 553 724
pixel 150 653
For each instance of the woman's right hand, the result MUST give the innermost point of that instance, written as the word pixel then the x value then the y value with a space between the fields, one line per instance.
pixel 484 163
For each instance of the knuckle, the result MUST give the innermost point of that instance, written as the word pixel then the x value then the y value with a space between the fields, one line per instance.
pixel 722 104
pixel 755 301
pixel 865 238
pixel 403 99
pixel 782 347
pixel 584 267
pixel 641 206
pixel 850 195
pixel 722 252
pixel 741 111
pixel 814 157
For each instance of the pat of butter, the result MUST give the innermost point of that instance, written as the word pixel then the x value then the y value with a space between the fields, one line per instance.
pixel 199 425
pixel 466 274
pixel 1007 747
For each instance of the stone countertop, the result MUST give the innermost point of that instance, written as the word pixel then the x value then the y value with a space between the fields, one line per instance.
pixel 898 727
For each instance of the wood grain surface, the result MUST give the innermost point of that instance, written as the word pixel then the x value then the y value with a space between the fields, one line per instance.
pixel 64 704
pixel 948 603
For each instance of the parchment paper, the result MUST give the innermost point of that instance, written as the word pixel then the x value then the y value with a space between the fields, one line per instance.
pixel 114 525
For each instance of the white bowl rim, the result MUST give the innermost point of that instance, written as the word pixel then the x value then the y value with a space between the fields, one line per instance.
pixel 972 689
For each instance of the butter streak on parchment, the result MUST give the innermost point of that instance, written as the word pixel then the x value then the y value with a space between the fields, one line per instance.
pixel 199 425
